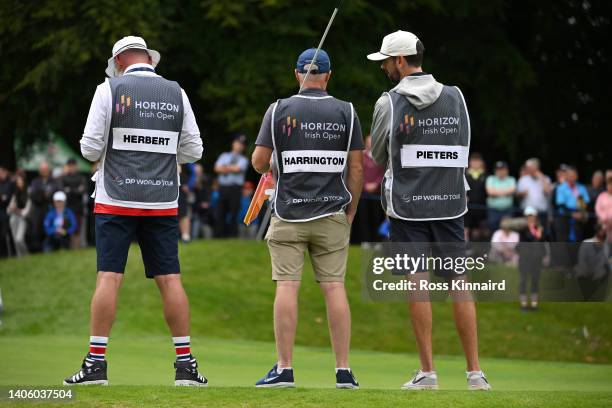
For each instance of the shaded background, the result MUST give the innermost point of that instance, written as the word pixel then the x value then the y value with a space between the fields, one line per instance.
pixel 535 74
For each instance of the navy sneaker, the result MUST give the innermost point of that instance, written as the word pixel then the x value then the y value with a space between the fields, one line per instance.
pixel 346 379
pixel 284 379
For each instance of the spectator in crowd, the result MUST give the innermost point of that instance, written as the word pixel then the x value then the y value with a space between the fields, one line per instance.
pixel 200 214
pixel 476 177
pixel 370 213
pixel 594 263
pixel 18 210
pixel 74 185
pixel 41 191
pixel 503 244
pixel 89 214
pixel 572 199
pixel 500 191
pixel 553 209
pixel 603 206
pixel 531 255
pixel 185 200
pixel 6 193
pixel 60 223
pixel 534 188
pixel 231 168
pixel 596 187
pixel 247 232
pixel 214 199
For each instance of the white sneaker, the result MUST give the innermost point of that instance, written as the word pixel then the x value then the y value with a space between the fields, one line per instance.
pixel 477 381
pixel 422 381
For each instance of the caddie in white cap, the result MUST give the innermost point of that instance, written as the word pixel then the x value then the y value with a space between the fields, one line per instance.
pixel 421 133
pixel 140 126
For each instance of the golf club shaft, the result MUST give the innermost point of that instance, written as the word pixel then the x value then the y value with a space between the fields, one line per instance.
pixel 314 59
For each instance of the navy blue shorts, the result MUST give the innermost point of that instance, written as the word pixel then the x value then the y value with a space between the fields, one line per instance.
pixel 156 236
pixel 439 238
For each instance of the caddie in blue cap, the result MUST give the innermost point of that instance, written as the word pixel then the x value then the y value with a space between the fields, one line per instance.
pixel 317 145
pixel 321 66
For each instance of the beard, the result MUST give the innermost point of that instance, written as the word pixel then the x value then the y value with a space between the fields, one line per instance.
pixel 393 75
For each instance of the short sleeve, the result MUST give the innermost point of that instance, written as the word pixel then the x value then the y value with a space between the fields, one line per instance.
pixel 264 138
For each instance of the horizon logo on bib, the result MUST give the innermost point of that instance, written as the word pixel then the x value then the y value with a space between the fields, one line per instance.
pixel 290 124
pixel 123 104
pixel 407 125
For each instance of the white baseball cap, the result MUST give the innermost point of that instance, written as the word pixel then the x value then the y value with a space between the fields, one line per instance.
pixel 399 43
pixel 127 43
pixel 59 196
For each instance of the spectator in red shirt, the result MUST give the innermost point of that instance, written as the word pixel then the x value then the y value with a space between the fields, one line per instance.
pixel 370 213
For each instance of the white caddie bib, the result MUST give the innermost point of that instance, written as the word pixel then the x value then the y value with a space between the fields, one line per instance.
pixel 413 155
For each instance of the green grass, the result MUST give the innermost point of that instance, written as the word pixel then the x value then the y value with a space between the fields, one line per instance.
pixel 155 396
pixel 233 365
pixel 533 359
pixel 231 296
pixel 148 360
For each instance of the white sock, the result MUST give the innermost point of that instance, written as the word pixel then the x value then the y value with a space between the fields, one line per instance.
pixel 97 349
pixel 342 368
pixel 474 373
pixel 280 370
pixel 182 346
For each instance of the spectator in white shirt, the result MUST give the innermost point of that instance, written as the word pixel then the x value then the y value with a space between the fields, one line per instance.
pixel 533 189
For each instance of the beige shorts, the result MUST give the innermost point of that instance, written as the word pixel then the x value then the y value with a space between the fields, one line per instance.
pixel 326 239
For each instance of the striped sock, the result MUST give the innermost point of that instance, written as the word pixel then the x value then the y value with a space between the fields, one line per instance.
pixel 97 348
pixel 182 348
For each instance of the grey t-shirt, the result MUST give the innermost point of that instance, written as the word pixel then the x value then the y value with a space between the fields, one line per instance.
pixel 264 138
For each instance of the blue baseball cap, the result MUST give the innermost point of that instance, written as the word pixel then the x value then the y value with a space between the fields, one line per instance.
pixel 320 66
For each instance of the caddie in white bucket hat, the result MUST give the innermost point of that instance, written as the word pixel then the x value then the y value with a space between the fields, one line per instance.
pixel 139 127
pixel 128 43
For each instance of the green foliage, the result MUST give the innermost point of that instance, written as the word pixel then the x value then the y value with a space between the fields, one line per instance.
pixel 529 70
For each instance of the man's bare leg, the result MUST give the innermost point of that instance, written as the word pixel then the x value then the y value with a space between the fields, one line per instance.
pixel 339 319
pixel 465 320
pixel 285 320
pixel 104 303
pixel 421 317
pixel 176 304
pixel 464 312
pixel 176 312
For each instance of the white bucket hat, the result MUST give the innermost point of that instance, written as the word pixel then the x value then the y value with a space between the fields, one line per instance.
pixel 127 43
pixel 400 43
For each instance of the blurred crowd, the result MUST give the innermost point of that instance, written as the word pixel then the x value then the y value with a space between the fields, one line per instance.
pixel 52 209
pixel 533 221
pixel 528 222
pixel 565 209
